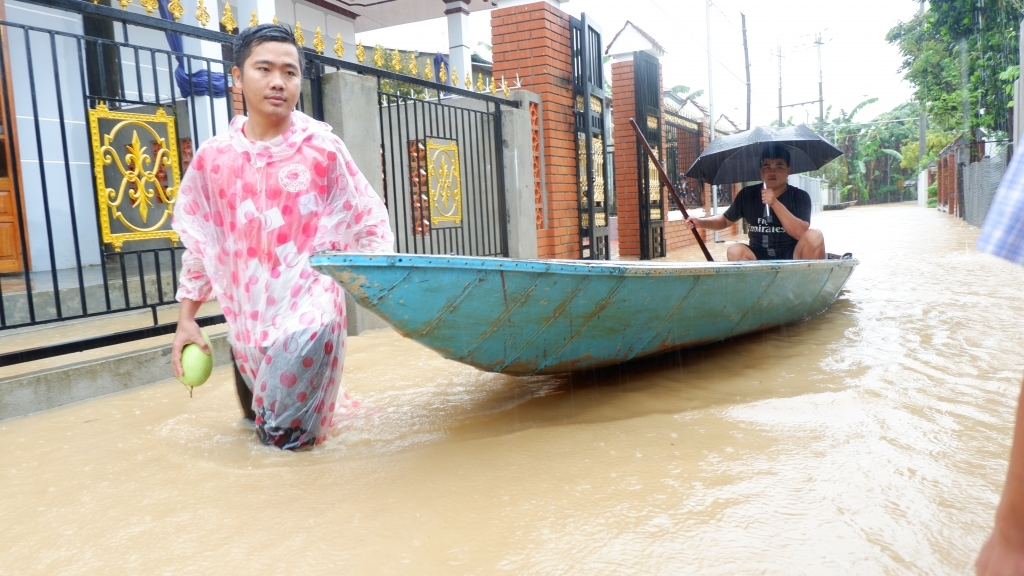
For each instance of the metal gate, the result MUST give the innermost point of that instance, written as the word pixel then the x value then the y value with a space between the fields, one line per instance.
pixel 648 114
pixel 443 172
pixel 588 112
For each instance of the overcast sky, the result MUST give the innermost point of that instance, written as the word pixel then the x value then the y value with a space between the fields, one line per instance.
pixel 856 62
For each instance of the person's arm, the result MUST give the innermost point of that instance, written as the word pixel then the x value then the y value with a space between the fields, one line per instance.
pixel 793 225
pixel 1003 553
pixel 355 218
pixel 719 222
pixel 194 285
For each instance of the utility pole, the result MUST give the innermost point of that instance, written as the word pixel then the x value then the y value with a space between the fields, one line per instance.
pixel 821 97
pixel 746 60
pixel 922 129
pixel 778 48
pixel 711 107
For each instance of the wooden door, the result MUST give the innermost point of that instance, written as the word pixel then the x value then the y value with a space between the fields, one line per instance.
pixel 11 227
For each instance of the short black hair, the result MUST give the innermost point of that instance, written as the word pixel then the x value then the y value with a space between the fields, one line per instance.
pixel 774 151
pixel 260 34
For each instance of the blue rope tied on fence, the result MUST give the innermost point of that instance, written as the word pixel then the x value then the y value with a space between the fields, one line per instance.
pixel 199 82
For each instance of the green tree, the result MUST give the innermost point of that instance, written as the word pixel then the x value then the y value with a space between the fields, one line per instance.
pixel 961 56
pixel 935 141
pixel 871 168
pixel 685 92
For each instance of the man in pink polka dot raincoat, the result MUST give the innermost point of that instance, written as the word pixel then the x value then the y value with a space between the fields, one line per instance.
pixel 254 205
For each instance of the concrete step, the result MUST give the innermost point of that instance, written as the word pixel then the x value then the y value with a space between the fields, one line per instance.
pixel 43 384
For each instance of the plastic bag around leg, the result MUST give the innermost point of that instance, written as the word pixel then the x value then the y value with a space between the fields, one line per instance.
pixel 295 385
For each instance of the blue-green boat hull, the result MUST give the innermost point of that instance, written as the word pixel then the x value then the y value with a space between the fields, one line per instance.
pixel 555 316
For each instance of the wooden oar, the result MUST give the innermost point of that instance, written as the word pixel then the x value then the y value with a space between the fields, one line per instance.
pixel 671 187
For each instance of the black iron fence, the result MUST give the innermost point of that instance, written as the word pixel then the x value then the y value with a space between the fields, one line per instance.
pixel 78 250
pixel 443 167
pixel 72 249
pixel 725 194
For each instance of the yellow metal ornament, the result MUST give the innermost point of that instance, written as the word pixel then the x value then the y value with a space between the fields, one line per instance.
pixel 494 86
pixel 124 4
pixel 176 9
pixel 141 188
pixel 202 16
pixel 442 74
pixel 444 184
pixel 228 20
pixel 275 19
pixel 396 61
pixel 298 34
pixel 339 47
pixel 428 70
pixel 455 77
pixel 149 5
pixel 254 20
pixel 378 56
pixel 479 82
pixel 360 52
pixel 318 41
pixel 469 81
pixel 414 70
pixel 504 87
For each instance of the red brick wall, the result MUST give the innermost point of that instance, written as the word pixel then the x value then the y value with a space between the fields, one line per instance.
pixel 947 193
pixel 533 41
pixel 238 109
pixel 676 233
pixel 627 194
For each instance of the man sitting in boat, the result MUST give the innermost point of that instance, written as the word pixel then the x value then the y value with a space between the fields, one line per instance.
pixel 780 232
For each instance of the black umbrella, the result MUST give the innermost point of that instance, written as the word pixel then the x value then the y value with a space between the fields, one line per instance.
pixel 737 157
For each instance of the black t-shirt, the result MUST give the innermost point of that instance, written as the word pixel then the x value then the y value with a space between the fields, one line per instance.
pixel 769 238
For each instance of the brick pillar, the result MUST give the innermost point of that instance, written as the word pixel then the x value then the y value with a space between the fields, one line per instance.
pixel 627 193
pixel 953 183
pixel 533 41
pixel 237 107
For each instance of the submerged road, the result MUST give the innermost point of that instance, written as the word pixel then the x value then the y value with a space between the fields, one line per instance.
pixel 871 439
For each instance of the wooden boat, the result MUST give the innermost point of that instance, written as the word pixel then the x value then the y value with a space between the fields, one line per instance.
pixel 553 316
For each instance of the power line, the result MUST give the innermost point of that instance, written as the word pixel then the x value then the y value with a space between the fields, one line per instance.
pixel 713 57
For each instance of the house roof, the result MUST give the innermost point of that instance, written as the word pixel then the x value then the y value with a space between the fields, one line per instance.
pixel 952 146
pixel 630 27
pixel 725 124
pixel 689 109
pixel 374 14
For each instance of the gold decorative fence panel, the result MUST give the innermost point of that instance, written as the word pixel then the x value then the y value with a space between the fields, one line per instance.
pixel 444 177
pixel 137 173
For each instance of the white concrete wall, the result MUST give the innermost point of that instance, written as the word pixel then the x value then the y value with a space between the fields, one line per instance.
pixel 922 188
pixel 813 187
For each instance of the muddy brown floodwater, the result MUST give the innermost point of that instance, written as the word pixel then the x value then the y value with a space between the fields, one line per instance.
pixel 871 439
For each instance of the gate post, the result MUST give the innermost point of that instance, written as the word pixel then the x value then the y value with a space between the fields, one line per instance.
pixel 516 144
pixel 532 40
pixel 636 93
pixel 627 191
pixel 350 107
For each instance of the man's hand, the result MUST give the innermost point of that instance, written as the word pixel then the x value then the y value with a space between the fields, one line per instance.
pixel 693 222
pixel 999 557
pixel 768 196
pixel 186 333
